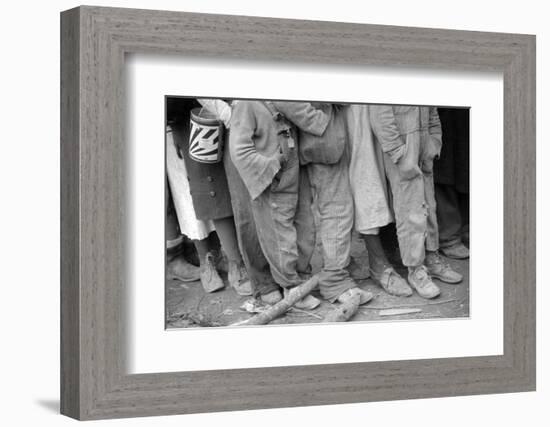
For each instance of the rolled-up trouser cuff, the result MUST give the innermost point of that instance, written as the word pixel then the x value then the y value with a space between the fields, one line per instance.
pixel 332 284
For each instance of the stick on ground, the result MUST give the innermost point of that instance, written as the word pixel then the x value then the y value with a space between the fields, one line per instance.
pixel 345 310
pixel 293 296
pixel 420 304
pixel 399 311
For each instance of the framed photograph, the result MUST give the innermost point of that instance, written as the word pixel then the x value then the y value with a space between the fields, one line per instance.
pixel 262 213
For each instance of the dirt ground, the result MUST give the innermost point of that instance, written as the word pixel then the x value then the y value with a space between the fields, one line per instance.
pixel 187 305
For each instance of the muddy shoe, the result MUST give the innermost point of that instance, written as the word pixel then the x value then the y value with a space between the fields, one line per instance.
pixel 210 279
pixel 238 278
pixel 271 298
pixel 420 280
pixel 309 302
pixel 358 271
pixel 456 251
pixel 180 269
pixel 364 296
pixel 439 269
pixel 392 282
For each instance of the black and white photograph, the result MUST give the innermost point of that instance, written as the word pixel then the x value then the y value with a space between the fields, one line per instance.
pixel 258 214
pixel 283 212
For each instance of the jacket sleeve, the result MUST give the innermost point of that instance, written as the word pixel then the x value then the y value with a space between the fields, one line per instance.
pixel 434 127
pixel 219 108
pixel 306 117
pixel 385 129
pixel 256 170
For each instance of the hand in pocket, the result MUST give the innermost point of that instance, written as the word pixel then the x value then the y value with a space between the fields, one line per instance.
pixel 430 153
pixel 408 163
pixel 427 165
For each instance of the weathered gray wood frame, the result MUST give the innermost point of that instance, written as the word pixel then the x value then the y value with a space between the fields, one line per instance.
pixel 94 42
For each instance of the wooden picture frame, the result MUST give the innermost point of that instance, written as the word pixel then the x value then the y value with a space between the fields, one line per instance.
pixel 94 41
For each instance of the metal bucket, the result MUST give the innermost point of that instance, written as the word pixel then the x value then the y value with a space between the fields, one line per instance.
pixel 206 137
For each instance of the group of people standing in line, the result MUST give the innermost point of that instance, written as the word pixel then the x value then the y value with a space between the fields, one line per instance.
pixel 288 174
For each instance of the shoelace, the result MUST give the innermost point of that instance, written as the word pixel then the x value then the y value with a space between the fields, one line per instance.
pixel 436 259
pixel 392 276
pixel 421 273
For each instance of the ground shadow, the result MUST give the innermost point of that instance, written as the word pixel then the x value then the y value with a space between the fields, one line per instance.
pixel 51 405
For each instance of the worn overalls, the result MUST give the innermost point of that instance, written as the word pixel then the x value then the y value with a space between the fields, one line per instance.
pixel 416 133
pixel 258 135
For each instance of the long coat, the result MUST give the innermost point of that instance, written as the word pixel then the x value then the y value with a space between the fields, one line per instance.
pixel 366 173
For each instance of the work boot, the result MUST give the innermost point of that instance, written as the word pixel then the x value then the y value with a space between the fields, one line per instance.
pixel 456 251
pixel 364 296
pixel 179 269
pixel 439 269
pixel 420 280
pixel 358 271
pixel 272 298
pixel 238 278
pixel 309 302
pixel 210 279
pixel 392 282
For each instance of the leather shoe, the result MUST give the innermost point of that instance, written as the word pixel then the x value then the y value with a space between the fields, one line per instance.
pixel 180 269
pixel 420 280
pixel 456 251
pixel 309 302
pixel 439 269
pixel 392 282
pixel 364 296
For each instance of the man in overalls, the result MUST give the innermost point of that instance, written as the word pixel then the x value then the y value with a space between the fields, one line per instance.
pixel 264 150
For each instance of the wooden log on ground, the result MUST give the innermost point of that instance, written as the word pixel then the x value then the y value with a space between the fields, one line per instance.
pixel 292 297
pixel 345 310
